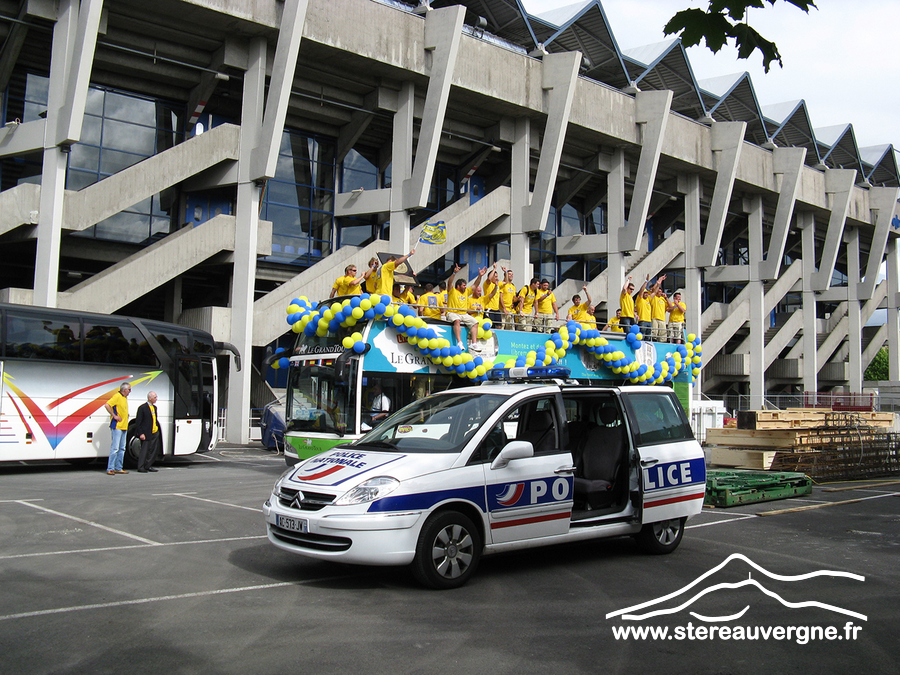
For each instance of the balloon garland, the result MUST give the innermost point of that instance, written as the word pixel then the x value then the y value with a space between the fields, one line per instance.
pixel 313 318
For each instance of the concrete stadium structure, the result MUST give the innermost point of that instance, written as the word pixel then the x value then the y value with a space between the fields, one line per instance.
pixel 204 161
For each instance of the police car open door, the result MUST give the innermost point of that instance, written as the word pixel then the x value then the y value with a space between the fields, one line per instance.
pixel 673 470
pixel 530 497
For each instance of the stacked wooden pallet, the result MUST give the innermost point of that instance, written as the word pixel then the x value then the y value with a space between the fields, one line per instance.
pixel 821 443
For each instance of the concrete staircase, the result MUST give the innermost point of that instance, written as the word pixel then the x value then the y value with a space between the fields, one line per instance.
pixel 157 264
pixel 19 206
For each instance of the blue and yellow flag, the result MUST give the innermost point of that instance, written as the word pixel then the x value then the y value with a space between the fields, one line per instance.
pixel 434 233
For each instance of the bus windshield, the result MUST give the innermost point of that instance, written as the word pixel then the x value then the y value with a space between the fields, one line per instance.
pixel 441 423
pixel 316 403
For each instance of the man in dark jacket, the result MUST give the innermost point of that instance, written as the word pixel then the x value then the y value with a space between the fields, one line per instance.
pixel 147 429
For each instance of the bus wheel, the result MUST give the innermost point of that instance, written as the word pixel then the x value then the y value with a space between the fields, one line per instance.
pixel 132 452
pixel 447 552
pixel 662 537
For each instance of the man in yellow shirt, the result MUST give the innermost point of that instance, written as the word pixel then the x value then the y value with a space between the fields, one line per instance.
pixel 508 300
pixel 613 323
pixel 546 307
pixel 491 288
pixel 386 285
pixel 582 312
pixel 626 304
pixel 371 276
pixel 658 305
pixel 431 303
pixel 349 284
pixel 117 407
pixel 526 310
pixel 458 308
pixel 676 319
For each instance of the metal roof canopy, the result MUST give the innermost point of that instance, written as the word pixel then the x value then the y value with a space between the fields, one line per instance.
pixel 667 68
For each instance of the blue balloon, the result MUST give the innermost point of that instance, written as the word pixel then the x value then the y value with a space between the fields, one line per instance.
pixel 385 300
pixel 412 331
pixel 333 326
pixel 380 308
pixel 369 314
pixel 520 361
pixel 445 352
pixel 279 350
pixel 455 351
pixel 355 302
pixel 359 346
pixel 461 368
pixel 284 362
pixel 314 304
pixel 478 360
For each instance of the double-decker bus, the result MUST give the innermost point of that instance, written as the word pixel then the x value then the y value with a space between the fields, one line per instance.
pixel 331 390
pixel 59 367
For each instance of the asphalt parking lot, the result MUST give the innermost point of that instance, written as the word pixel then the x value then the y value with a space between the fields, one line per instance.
pixel 171 572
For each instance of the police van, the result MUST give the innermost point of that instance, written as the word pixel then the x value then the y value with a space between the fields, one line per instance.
pixel 527 459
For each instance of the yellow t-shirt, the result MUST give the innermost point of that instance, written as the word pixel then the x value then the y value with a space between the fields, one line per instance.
pixel 410 298
pixel 154 428
pixel 120 404
pixel 433 302
pixel 582 315
pixel 372 283
pixel 642 307
pixel 507 294
pixel 614 325
pixel 528 297
pixel 545 306
pixel 386 284
pixel 343 286
pixel 658 306
pixel 457 302
pixel 677 314
pixel 476 306
pixel 492 304
pixel 626 304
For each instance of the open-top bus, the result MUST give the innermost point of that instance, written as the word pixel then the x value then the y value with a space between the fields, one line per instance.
pixel 331 389
pixel 59 367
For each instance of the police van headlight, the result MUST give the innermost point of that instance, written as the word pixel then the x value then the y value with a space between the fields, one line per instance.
pixel 368 491
pixel 283 477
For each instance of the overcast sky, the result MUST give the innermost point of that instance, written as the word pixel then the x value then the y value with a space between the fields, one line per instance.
pixel 841 59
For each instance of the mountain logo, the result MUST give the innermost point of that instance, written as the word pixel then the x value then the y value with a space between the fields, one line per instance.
pixel 697 589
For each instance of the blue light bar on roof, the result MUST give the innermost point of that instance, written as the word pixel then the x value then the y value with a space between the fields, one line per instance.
pixel 529 373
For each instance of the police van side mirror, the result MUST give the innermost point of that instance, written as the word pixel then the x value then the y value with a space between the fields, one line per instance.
pixel 513 450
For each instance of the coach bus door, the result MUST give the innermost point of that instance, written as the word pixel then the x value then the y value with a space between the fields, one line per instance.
pixel 188 407
pixel 208 405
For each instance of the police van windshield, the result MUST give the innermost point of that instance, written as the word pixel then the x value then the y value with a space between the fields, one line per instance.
pixel 434 425
pixel 317 403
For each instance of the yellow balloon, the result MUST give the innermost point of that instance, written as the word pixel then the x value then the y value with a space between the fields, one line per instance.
pixel 357 337
pixel 691 337
pixel 357 313
pixel 291 309
pixel 348 342
pixel 365 304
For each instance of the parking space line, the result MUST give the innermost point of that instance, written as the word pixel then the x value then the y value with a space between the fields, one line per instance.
pixel 826 504
pixel 89 522
pixel 125 548
pixel 731 519
pixel 211 501
pixel 144 601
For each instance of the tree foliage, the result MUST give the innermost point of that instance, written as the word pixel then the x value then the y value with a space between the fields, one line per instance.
pixel 879 368
pixel 727 20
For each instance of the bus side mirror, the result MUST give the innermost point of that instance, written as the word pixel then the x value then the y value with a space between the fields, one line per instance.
pixel 513 450
pixel 340 365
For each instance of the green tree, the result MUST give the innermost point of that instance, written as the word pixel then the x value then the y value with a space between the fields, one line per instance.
pixel 879 369
pixel 727 20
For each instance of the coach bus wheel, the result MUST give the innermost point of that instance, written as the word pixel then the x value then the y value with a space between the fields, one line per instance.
pixel 447 552
pixel 661 537
pixel 132 452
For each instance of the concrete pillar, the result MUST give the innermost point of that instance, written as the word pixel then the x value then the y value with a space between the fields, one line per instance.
pixel 53 172
pixel 806 223
pixel 245 235
pixel 759 321
pixel 854 328
pixel 520 197
pixel 615 202
pixel 893 308
pixel 691 294
pixel 401 167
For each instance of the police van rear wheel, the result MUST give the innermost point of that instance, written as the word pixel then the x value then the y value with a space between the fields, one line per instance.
pixel 662 537
pixel 447 552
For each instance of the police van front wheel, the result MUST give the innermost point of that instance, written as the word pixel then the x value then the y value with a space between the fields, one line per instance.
pixel 447 552
pixel 662 537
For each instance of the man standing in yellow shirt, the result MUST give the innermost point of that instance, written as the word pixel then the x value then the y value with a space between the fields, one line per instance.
pixel 117 407
pixel 676 319
pixel 626 304
pixel 526 310
pixel 613 323
pixel 371 276
pixel 508 300
pixel 658 305
pixel 349 284
pixel 546 306
pixel 431 303
pixel 458 308
pixel 491 288
pixel 386 285
pixel 581 311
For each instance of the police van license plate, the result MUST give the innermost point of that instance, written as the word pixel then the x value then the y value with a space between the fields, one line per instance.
pixel 292 524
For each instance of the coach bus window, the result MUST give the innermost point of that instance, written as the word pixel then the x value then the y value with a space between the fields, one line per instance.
pixel 118 342
pixel 30 336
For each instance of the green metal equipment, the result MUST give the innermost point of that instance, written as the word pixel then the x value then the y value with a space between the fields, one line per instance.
pixel 733 488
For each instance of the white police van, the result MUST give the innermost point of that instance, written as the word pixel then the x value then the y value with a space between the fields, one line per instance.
pixel 504 466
